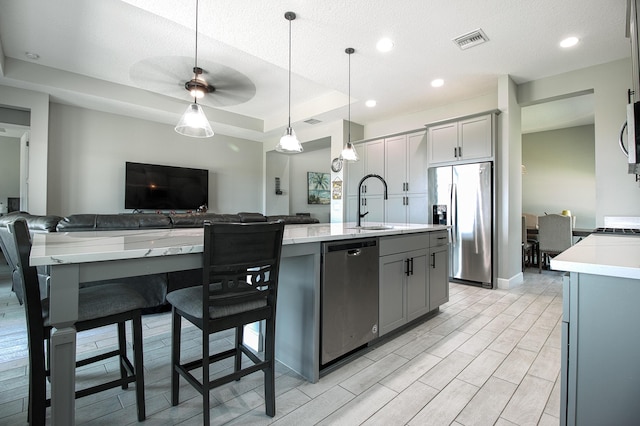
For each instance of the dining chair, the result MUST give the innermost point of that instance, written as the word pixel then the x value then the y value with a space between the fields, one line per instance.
pixel 239 287
pixel 98 306
pixel 555 235
pixel 527 246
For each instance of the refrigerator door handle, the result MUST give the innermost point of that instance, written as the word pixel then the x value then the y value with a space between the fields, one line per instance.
pixel 453 216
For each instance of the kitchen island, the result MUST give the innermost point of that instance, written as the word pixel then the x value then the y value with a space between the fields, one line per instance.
pixel 77 257
pixel 600 377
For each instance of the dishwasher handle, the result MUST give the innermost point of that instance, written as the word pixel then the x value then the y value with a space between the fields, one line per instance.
pixel 355 252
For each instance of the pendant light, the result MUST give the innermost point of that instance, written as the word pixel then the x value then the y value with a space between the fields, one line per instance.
pixel 193 122
pixel 289 143
pixel 349 152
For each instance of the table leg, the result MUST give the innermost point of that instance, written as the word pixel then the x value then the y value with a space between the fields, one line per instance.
pixel 63 373
pixel 63 296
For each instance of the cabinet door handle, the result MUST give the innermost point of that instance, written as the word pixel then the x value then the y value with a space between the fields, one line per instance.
pixel 406 267
pixel 459 152
pixel 455 151
pixel 433 260
pixel 411 266
pixel 407 183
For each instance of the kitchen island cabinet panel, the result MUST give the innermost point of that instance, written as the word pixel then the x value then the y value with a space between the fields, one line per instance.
pixel 600 363
pixel 602 340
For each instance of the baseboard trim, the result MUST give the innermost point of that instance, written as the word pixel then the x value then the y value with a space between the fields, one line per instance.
pixel 508 283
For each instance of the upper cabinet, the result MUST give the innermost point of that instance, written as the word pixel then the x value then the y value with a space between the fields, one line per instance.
pixel 406 176
pixel 402 162
pixel 464 140
pixel 371 195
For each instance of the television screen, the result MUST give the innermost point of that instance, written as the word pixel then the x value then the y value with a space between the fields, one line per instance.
pixel 157 187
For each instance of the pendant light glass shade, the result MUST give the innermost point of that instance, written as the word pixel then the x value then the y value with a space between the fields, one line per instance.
pixel 194 123
pixel 349 151
pixel 289 142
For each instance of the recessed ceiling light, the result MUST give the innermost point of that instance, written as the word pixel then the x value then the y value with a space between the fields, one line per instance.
pixel 371 103
pixel 32 56
pixel 569 42
pixel 438 82
pixel 384 45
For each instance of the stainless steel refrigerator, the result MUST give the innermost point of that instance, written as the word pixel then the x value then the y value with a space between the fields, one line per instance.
pixel 462 196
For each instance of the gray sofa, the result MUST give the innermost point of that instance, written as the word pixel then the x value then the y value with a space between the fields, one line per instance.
pixel 154 287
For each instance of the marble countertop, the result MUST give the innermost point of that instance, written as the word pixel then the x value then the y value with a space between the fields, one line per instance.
pixel 92 246
pixel 610 255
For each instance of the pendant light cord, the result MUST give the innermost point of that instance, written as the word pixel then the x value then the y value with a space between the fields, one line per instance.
pixel 195 67
pixel 349 100
pixel 289 72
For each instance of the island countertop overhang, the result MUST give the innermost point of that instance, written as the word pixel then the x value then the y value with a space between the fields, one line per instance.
pixel 609 255
pixel 92 246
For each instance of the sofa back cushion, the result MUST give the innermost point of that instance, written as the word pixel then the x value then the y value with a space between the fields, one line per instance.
pixel 35 223
pixel 196 220
pixel 110 222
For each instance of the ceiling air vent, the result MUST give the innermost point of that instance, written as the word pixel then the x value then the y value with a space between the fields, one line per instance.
pixel 312 121
pixel 471 39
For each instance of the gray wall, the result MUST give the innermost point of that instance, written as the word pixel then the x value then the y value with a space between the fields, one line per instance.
pixel 88 150
pixel 560 173
pixel 10 166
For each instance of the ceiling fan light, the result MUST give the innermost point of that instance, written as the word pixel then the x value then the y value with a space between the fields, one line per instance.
pixel 197 93
pixel 289 142
pixel 194 123
pixel 349 153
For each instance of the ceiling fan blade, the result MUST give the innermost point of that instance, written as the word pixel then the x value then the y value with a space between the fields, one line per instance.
pixel 167 75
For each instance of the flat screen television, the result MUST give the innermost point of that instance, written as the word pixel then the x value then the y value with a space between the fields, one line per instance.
pixel 158 187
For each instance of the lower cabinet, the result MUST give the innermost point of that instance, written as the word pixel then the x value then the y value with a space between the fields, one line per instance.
pixel 409 280
pixel 600 361
pixel 438 269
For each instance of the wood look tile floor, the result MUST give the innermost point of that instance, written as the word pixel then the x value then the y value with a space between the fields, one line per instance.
pixel 490 357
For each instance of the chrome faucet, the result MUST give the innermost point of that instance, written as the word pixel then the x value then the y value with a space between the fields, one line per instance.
pixel 360 216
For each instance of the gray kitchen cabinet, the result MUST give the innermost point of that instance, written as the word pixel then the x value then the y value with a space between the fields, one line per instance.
pixel 438 269
pixel 407 275
pixel 371 161
pixel 600 361
pixel 406 176
pixel 463 140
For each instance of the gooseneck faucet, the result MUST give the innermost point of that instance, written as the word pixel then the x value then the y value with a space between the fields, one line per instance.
pixel 372 175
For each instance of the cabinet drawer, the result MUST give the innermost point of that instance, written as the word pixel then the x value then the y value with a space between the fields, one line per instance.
pixel 402 243
pixel 439 238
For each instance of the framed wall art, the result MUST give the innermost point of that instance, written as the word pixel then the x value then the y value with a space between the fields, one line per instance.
pixel 319 188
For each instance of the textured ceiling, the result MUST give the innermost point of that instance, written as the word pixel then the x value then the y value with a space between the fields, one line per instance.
pixel 132 57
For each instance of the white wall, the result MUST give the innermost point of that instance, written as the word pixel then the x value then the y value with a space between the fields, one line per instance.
pixel 560 173
pixel 88 150
pixel 337 132
pixel 617 193
pixel 313 161
pixel 38 106
pixel 10 167
pixel 276 166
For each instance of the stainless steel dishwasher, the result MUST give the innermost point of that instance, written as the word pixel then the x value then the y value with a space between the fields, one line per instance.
pixel 349 296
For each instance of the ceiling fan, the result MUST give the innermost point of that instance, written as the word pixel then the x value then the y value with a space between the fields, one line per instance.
pixel 216 84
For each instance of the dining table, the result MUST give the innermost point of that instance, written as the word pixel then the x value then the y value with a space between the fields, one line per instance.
pixel 577 232
pixel 73 258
